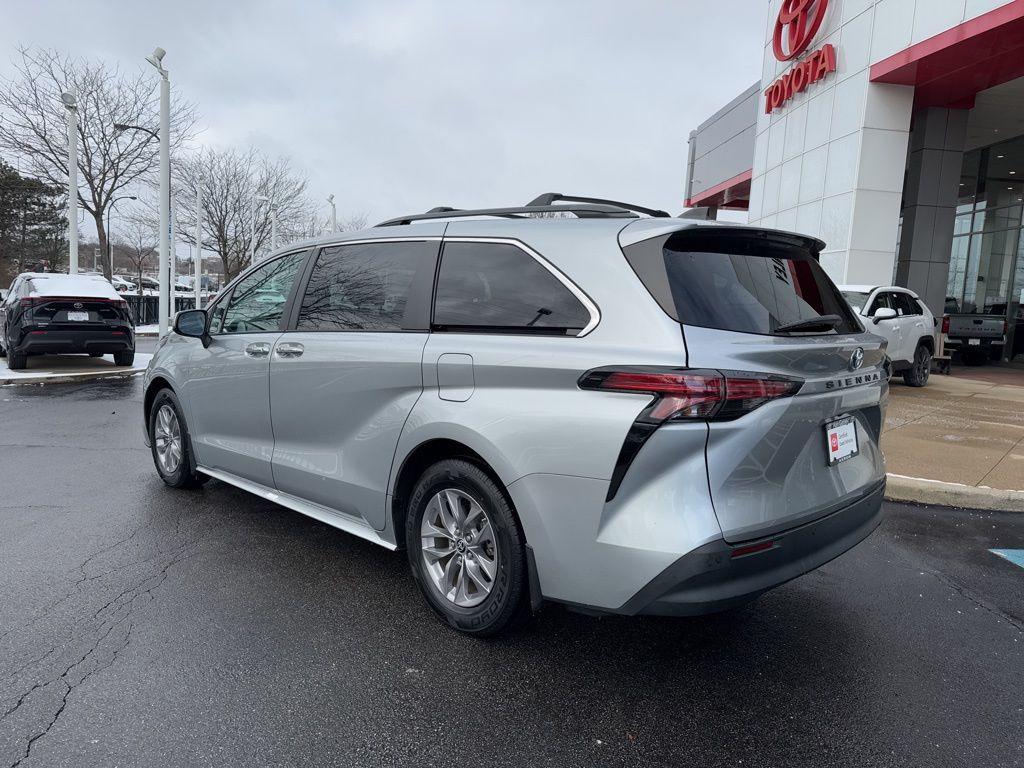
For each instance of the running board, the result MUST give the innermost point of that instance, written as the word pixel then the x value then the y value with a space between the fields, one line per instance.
pixel 317 512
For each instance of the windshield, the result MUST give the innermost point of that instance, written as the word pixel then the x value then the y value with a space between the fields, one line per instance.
pixel 856 299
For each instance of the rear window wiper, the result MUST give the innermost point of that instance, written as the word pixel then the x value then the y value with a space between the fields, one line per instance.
pixel 825 322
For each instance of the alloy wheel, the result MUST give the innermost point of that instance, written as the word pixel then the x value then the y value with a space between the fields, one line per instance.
pixel 167 437
pixel 459 549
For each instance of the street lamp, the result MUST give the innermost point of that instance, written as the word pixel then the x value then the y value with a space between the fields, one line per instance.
pixel 110 240
pixel 71 105
pixel 273 220
pixel 165 185
pixel 197 266
pixel 334 214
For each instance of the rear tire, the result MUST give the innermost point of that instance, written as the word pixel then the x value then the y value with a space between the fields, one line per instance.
pixel 167 425
pixel 124 358
pixel 471 565
pixel 17 361
pixel 920 367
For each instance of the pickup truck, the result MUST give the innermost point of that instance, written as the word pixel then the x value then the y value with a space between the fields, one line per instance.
pixel 978 338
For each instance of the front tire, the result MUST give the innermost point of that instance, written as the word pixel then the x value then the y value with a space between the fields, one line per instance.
pixel 466 549
pixel 920 368
pixel 17 361
pixel 170 444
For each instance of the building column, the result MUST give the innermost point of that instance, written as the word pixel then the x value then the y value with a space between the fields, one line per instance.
pixel 930 193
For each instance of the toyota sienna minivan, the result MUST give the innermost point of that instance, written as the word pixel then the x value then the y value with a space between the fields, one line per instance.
pixel 610 408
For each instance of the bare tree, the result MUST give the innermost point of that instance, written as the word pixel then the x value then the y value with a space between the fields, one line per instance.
pixel 236 224
pixel 139 238
pixel 33 125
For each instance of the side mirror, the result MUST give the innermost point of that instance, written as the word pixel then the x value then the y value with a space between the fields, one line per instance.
pixel 191 322
pixel 883 313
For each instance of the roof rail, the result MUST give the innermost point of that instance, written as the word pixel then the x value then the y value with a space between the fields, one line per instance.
pixel 601 211
pixel 548 198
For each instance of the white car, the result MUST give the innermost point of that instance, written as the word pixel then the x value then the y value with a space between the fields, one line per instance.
pixel 121 285
pixel 899 316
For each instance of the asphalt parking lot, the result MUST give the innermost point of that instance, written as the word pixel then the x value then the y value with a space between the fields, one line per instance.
pixel 142 626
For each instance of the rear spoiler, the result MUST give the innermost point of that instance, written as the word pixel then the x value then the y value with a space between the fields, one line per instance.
pixel 645 229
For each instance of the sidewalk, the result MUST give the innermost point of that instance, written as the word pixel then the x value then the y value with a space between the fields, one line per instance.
pixel 49 369
pixel 958 430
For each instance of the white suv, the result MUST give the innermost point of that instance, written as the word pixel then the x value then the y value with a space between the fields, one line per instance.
pixel 900 317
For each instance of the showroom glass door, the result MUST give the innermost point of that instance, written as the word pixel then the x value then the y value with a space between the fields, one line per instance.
pixel 986 268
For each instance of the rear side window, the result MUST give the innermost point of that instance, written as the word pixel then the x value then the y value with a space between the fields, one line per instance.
pixel 906 304
pixel 738 283
pixel 363 287
pixel 498 287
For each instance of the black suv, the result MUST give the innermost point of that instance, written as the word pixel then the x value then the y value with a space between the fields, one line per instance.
pixel 47 313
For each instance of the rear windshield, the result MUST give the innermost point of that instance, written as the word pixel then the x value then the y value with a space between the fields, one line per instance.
pixel 738 283
pixel 856 299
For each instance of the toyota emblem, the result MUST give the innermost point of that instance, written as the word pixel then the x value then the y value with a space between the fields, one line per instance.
pixel 798 23
pixel 856 359
pixel 78 305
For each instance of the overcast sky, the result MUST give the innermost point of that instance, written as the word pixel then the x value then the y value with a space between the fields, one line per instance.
pixel 396 107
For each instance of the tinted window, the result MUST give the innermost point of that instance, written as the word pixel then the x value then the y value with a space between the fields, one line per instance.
pixel 906 304
pixel 497 286
pixel 748 284
pixel 363 287
pixel 257 301
pixel 882 301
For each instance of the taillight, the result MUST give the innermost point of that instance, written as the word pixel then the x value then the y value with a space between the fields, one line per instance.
pixel 28 301
pixel 1006 327
pixel 693 394
pixel 682 394
pixel 945 324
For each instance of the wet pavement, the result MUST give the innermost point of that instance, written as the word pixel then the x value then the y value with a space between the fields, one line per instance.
pixel 144 626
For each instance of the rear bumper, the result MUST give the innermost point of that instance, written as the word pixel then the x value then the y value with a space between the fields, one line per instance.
pixel 103 340
pixel 712 578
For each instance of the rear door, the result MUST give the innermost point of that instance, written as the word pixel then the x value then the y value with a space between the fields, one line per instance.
pixel 735 292
pixel 912 323
pixel 343 382
pixel 227 389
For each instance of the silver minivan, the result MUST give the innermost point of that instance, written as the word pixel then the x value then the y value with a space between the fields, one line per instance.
pixel 590 403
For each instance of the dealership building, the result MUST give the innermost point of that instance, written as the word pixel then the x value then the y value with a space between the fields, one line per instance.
pixel 894 131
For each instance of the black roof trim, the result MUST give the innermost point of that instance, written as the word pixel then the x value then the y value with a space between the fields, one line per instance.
pixel 602 211
pixel 549 198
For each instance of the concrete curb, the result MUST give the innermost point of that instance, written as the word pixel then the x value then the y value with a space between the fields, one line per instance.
pixel 66 378
pixel 922 491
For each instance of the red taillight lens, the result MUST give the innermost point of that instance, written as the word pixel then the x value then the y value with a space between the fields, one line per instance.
pixel 693 394
pixel 28 301
pixel 945 324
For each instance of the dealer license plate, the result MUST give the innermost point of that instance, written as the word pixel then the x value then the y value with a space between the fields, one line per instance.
pixel 841 440
pixel 78 317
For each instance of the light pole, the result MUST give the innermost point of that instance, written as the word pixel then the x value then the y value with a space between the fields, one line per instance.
pixel 334 214
pixel 165 185
pixel 273 220
pixel 71 104
pixel 110 240
pixel 197 266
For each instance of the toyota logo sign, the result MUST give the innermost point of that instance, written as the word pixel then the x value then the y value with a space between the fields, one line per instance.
pixel 798 23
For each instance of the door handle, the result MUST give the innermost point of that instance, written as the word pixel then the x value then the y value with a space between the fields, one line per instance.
pixel 290 349
pixel 257 349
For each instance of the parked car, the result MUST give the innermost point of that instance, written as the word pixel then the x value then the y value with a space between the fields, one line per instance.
pixel 49 313
pixel 121 285
pixel 626 415
pixel 904 321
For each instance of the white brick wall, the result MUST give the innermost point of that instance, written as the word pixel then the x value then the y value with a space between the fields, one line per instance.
pixel 830 162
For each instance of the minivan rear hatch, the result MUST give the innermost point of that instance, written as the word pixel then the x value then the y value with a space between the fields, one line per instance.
pixel 757 302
